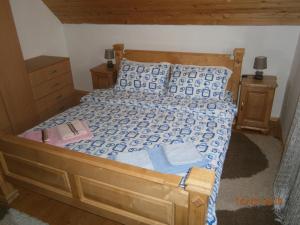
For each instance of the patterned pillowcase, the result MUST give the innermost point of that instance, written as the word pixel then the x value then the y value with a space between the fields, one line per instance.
pixel 199 81
pixel 144 77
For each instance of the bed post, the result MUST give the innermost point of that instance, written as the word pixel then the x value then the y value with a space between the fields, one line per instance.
pixel 7 191
pixel 238 54
pixel 199 184
pixel 119 50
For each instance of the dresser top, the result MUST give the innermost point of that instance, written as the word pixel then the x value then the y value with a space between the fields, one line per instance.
pixel 267 81
pixel 42 61
pixel 102 68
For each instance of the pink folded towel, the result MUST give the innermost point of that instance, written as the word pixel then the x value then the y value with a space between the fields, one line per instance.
pixel 54 137
pixel 71 129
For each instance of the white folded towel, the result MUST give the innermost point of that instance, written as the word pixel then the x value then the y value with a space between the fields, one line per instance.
pixel 71 129
pixel 181 154
pixel 138 158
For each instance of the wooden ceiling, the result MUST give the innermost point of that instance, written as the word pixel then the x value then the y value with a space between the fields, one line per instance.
pixel 232 12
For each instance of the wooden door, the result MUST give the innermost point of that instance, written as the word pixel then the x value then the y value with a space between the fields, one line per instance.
pixel 14 82
pixel 255 107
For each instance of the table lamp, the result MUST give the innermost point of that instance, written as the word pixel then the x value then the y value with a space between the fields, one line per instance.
pixel 260 63
pixel 109 55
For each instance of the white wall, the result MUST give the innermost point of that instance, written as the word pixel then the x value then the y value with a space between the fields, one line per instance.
pixel 39 31
pixel 291 95
pixel 86 44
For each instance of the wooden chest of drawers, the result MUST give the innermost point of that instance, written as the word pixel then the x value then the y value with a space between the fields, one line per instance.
pixel 52 85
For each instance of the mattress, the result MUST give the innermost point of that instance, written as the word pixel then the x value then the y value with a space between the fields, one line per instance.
pixel 127 122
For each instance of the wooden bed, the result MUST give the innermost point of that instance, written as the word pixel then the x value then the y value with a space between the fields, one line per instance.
pixel 128 194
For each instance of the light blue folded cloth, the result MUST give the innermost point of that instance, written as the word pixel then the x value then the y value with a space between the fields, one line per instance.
pixel 161 164
pixel 138 158
pixel 181 153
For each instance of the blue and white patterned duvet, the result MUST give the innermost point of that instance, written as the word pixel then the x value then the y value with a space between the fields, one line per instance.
pixel 127 122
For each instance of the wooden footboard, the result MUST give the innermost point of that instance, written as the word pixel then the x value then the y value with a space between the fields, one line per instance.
pixel 117 191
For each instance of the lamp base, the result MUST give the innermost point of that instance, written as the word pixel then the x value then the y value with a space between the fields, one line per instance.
pixel 259 75
pixel 110 64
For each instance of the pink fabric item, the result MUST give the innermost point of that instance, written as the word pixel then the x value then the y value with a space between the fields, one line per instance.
pixel 54 137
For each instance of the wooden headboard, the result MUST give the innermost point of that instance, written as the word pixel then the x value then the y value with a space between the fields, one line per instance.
pixel 200 59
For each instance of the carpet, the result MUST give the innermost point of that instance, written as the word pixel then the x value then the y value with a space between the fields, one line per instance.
pixel 244 158
pixel 262 215
pixel 246 188
pixel 14 217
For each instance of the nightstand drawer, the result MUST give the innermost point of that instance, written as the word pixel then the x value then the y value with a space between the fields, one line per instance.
pixel 51 86
pixel 48 73
pixel 55 98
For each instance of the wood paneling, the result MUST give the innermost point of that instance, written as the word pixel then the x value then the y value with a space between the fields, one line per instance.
pixel 5 124
pixel 256 12
pixel 41 175
pixel 150 210
pixel 108 188
pixel 14 82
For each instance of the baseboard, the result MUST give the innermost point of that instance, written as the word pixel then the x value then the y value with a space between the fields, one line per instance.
pixel 275 127
pixel 81 92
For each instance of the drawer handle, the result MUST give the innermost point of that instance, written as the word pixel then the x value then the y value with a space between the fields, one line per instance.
pixel 242 105
pixel 59 97
pixel 53 71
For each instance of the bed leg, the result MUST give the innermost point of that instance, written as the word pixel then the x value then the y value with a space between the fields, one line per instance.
pixel 199 185
pixel 8 192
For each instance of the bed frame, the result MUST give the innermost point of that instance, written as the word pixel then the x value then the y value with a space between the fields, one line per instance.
pixel 128 194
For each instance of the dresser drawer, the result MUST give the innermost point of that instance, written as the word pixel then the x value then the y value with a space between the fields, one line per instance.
pixel 61 106
pixel 49 72
pixel 53 99
pixel 52 85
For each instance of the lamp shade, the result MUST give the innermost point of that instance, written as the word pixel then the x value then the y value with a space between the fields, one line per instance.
pixel 109 54
pixel 260 63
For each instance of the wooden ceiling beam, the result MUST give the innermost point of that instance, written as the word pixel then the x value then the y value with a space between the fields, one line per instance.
pixel 233 12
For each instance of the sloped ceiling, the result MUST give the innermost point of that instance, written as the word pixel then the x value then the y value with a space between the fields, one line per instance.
pixel 233 12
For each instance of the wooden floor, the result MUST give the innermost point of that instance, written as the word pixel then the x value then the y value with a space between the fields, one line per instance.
pixel 54 212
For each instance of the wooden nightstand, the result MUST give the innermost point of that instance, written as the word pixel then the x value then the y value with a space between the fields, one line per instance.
pixel 103 77
pixel 255 104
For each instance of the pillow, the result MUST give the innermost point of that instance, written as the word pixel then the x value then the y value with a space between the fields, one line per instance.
pixel 199 81
pixel 144 77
